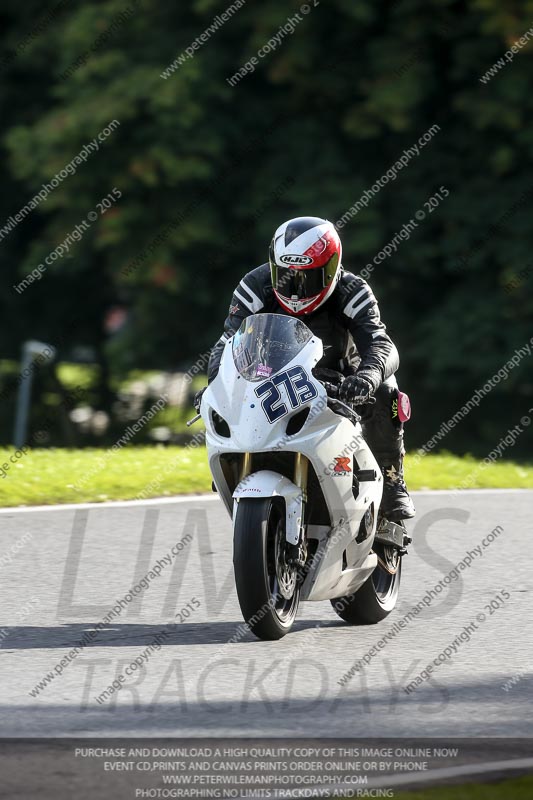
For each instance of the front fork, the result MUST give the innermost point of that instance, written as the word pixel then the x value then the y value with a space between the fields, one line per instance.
pixel 246 466
pixel 297 553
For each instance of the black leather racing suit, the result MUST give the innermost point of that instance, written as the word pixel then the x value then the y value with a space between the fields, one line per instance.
pixel 351 330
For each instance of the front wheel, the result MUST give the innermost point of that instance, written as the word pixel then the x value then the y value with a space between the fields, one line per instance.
pixel 378 595
pixel 267 584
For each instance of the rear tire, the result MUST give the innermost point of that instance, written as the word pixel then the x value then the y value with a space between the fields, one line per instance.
pixel 268 589
pixel 377 596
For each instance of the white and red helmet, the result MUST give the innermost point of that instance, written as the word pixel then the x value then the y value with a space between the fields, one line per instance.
pixel 305 261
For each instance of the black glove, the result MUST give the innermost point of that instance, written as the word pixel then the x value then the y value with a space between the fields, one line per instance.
pixel 356 389
pixel 198 399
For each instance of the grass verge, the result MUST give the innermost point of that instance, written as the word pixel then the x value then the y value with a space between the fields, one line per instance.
pixel 45 476
pixel 514 789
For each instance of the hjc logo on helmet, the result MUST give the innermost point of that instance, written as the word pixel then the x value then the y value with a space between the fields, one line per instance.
pixel 296 260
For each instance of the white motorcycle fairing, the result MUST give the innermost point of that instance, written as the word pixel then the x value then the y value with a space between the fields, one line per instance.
pixel 264 417
pixel 267 483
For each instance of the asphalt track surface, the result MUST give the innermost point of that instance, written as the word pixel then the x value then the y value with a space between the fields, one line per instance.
pixel 63 568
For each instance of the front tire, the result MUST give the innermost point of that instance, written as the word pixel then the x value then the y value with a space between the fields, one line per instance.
pixel 377 596
pixel 267 587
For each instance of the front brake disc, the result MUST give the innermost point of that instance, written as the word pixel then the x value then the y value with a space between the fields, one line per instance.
pixel 285 573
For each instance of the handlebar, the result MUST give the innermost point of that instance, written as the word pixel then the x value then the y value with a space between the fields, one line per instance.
pixel 340 407
pixel 332 391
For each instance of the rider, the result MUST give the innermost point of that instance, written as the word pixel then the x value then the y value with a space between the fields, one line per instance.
pixel 305 277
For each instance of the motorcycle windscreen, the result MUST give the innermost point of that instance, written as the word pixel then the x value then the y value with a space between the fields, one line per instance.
pixel 265 343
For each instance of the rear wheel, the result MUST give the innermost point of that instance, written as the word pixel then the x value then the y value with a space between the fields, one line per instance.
pixel 378 595
pixel 267 584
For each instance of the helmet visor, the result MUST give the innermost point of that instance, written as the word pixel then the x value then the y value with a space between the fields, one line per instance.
pixel 304 283
pixel 300 283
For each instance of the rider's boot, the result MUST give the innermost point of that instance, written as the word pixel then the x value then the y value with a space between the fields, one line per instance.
pixel 396 503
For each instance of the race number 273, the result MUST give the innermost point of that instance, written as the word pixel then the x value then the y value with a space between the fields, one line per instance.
pixel 298 389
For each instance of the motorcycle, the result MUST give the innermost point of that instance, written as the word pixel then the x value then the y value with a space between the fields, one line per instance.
pixel 302 487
